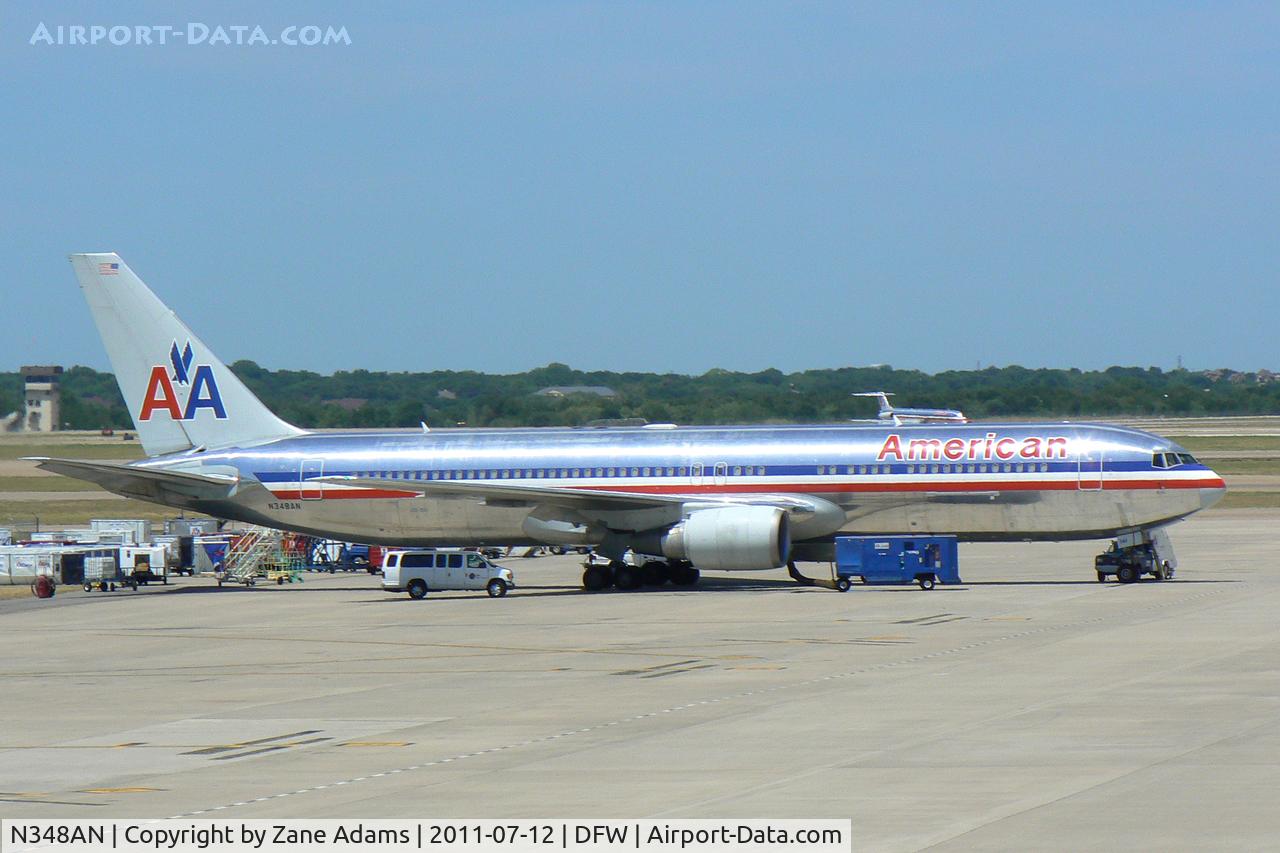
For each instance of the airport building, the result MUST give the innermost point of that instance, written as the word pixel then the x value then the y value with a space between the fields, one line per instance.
pixel 41 407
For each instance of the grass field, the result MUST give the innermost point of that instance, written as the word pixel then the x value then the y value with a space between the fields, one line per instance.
pixel 1230 466
pixel 21 515
pixel 1248 500
pixel 70 450
pixel 45 484
pixel 1227 442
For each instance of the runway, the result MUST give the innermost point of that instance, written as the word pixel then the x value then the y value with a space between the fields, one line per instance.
pixel 1030 707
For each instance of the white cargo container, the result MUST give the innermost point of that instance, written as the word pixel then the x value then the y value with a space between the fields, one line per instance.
pixel 144 563
pixel 23 564
pixel 136 531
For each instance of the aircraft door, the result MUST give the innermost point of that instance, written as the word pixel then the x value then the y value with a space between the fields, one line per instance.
pixel 310 469
pixel 1089 469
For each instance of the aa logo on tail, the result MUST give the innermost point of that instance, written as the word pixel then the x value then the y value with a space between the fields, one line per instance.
pixel 201 388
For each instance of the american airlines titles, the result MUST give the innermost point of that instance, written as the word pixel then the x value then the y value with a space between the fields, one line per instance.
pixel 992 446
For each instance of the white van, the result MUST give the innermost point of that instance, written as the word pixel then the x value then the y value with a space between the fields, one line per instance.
pixel 416 572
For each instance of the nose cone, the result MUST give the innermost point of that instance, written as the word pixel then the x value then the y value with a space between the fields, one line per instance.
pixel 1213 490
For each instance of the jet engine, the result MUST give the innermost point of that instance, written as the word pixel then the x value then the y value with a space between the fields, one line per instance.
pixel 725 538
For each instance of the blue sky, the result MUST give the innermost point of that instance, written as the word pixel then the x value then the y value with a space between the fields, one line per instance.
pixel 658 186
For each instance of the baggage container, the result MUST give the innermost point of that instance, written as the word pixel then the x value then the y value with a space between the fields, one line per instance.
pixel 925 560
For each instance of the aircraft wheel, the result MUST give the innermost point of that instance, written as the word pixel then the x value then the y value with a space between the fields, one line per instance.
pixel 596 578
pixel 843 584
pixel 496 588
pixel 684 575
pixel 1126 574
pixel 626 577
pixel 417 589
pixel 654 573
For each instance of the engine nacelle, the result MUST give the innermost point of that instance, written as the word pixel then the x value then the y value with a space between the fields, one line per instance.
pixel 735 538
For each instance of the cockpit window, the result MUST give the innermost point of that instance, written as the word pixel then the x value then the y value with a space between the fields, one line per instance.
pixel 1172 460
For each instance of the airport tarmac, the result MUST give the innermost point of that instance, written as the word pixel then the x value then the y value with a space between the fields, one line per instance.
pixel 1030 707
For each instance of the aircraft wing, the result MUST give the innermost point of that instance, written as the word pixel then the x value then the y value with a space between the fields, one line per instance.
pixel 145 483
pixel 509 494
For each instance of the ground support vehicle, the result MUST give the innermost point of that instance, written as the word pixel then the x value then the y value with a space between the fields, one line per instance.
pixel 431 569
pixel 1132 555
pixel 925 560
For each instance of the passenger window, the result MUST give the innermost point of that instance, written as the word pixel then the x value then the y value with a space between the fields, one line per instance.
pixel 455 561
pixel 611 471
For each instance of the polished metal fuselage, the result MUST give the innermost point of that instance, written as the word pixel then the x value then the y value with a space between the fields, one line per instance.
pixel 977 481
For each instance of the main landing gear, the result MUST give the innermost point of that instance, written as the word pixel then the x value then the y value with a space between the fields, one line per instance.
pixel 616 573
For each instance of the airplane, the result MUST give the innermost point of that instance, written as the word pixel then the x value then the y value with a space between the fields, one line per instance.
pixel 912 416
pixel 695 498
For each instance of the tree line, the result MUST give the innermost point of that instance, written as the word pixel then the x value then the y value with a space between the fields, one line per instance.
pixel 362 398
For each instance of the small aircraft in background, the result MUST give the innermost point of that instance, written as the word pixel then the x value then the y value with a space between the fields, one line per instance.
pixel 897 417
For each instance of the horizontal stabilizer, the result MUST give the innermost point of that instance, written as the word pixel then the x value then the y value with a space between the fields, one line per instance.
pixel 151 484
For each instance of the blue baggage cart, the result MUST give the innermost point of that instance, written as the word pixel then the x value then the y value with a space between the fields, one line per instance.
pixel 925 560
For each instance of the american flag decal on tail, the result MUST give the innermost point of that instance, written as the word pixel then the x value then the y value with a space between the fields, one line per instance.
pixel 108 269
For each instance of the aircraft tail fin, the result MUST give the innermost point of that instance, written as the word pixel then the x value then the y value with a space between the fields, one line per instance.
pixel 886 408
pixel 178 393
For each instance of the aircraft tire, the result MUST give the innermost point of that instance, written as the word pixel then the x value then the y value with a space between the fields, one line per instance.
pixel 596 578
pixel 684 575
pixel 627 577
pixel 417 589
pixel 654 573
